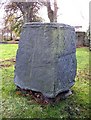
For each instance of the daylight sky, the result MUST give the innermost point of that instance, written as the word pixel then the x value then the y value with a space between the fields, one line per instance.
pixel 72 12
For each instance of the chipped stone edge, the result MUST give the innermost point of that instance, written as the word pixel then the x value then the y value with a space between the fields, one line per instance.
pixel 52 24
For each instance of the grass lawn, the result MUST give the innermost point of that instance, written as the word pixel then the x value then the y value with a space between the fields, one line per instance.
pixel 17 106
pixel 7 51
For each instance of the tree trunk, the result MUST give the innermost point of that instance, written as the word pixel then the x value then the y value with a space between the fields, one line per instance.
pixel 27 9
pixel 55 10
pixel 11 35
pixel 50 11
pixel 52 15
pixel 2 35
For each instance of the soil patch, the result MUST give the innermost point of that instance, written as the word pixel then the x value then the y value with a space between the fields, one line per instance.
pixel 7 63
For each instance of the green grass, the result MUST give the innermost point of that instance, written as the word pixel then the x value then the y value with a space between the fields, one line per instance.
pixel 18 106
pixel 7 51
pixel 82 58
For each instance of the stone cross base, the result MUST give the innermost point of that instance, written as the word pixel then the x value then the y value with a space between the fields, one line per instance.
pixel 46 58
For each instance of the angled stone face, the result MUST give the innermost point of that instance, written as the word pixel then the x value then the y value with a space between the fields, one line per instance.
pixel 46 58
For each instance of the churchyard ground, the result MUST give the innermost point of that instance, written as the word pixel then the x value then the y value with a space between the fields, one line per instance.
pixel 16 105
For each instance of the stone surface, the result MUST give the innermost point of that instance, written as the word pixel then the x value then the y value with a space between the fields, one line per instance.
pixel 46 58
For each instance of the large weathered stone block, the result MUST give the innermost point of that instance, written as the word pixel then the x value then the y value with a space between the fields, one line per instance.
pixel 46 58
